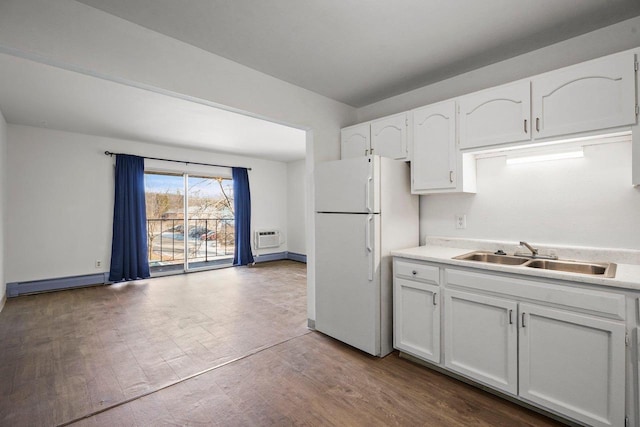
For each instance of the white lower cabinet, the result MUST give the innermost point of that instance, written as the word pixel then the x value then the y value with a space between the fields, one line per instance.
pixel 416 309
pixel 417 319
pixel 481 338
pixel 567 362
pixel 559 347
pixel 573 364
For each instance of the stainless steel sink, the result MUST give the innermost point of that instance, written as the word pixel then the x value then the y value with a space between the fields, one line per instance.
pixel 492 258
pixel 604 269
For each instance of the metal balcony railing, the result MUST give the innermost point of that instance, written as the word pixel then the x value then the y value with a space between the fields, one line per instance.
pixel 207 239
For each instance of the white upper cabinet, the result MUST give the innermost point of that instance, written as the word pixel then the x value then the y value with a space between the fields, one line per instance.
pixel 433 163
pixel 389 136
pixel 590 96
pixel 594 95
pixel 439 139
pixel 355 141
pixel 495 116
pixel 386 137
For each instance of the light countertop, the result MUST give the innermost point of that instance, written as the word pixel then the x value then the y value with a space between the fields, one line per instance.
pixel 627 275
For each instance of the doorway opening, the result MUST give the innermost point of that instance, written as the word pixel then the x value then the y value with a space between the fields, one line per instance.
pixel 190 222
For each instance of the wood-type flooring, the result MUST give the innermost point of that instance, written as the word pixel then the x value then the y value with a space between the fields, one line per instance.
pixel 227 347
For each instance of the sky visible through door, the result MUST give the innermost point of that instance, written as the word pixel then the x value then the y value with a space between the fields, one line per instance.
pixel 209 240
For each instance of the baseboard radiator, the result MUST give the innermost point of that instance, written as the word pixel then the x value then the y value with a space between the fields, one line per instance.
pixel 15 289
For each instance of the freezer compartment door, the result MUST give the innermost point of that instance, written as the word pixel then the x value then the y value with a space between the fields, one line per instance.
pixel 348 279
pixel 350 185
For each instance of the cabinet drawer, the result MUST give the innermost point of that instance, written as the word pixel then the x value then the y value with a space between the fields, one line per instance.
pixel 598 303
pixel 415 271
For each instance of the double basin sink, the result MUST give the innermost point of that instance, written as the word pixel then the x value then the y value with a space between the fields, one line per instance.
pixel 601 269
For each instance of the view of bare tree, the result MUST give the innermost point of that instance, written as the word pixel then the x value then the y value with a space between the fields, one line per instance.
pixel 210 218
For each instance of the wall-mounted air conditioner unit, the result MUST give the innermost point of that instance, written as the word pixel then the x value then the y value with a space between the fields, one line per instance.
pixel 267 239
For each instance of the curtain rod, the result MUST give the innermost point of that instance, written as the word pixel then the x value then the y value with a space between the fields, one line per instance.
pixel 109 153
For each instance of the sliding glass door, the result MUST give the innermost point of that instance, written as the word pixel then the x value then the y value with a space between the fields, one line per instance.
pixel 164 197
pixel 210 221
pixel 190 221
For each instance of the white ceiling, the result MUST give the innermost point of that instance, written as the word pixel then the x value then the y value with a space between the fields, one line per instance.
pixel 35 94
pixel 359 52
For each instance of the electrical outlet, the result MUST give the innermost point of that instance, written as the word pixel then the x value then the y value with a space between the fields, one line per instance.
pixel 461 221
pixel 98 263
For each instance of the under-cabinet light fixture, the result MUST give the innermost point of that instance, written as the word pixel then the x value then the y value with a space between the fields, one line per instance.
pixel 572 153
pixel 550 150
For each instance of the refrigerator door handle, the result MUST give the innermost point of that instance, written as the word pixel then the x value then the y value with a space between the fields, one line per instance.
pixel 369 248
pixel 367 194
pixel 367 234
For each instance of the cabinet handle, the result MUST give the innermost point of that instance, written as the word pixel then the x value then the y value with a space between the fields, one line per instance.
pixel 366 152
pixel 414 272
pixel 525 126
pixel 450 176
pixel 538 124
pixel 435 301
pixel 510 317
pixel 523 319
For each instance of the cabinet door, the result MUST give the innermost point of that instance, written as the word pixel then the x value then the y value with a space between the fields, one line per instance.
pixel 433 163
pixel 480 338
pixel 355 141
pixel 496 116
pixel 417 319
pixel 594 95
pixel 573 364
pixel 389 136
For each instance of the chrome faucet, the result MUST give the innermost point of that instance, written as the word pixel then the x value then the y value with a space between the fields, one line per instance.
pixel 534 251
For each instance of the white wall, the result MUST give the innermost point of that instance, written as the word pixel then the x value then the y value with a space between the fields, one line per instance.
pixel 296 236
pixel 576 202
pixel 73 35
pixel 585 202
pixel 3 205
pixel 615 38
pixel 60 198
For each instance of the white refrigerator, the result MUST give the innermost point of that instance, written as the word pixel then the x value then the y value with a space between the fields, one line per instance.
pixel 364 209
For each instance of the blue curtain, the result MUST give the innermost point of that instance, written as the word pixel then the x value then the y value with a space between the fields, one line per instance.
pixel 242 206
pixel 129 245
